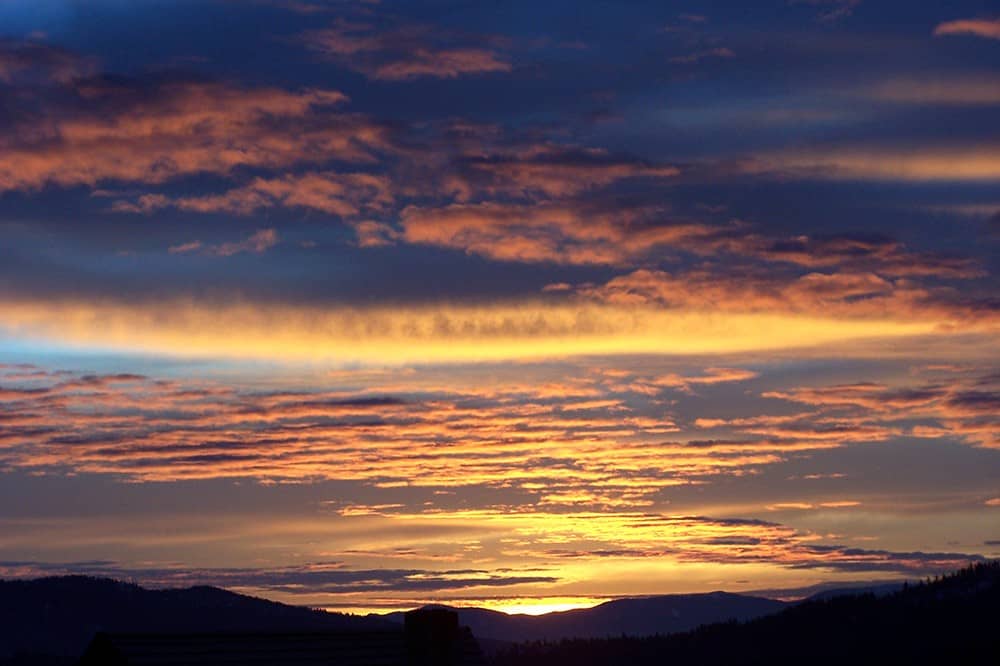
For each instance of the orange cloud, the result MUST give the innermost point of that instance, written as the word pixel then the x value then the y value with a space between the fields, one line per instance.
pixel 977 163
pixel 570 231
pixel 539 555
pixel 185 248
pixel 964 90
pixel 402 54
pixel 711 376
pixel 181 128
pixel 443 63
pixel 340 194
pixel 35 60
pixel 981 27
pixel 258 243
pixel 572 471
pixel 551 232
pixel 149 430
pixel 516 436
pixel 544 170
pixel 967 408
pixel 576 443
pixel 865 296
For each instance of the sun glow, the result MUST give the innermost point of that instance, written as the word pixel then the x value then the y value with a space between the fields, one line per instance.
pixel 510 606
pixel 541 606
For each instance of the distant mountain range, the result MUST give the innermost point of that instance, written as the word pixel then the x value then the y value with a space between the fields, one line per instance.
pixel 635 617
pixel 58 616
pixel 951 620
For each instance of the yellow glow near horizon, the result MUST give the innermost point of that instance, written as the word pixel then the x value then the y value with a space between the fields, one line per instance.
pixel 442 333
pixel 542 606
pixel 512 606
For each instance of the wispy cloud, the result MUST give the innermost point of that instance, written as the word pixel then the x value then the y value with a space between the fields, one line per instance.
pixel 259 242
pixel 37 62
pixel 594 439
pixel 314 578
pixel 698 56
pixel 831 10
pixel 339 194
pixel 955 90
pixel 185 248
pixel 405 53
pixel 591 545
pixel 974 162
pixel 979 27
pixel 103 129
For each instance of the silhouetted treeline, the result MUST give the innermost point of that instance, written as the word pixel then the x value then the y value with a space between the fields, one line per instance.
pixel 949 620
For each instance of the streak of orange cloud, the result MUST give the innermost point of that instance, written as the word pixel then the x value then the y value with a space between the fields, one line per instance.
pixel 975 163
pixel 980 27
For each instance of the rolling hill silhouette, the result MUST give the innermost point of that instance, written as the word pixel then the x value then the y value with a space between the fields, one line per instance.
pixel 59 615
pixel 952 620
pixel 948 621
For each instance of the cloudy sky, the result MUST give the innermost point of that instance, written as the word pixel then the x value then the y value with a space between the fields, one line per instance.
pixel 517 304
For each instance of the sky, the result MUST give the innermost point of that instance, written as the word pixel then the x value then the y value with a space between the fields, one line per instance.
pixel 521 305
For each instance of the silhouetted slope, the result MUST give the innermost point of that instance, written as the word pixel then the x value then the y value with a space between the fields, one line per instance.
pixel 880 590
pixel 59 616
pixel 635 617
pixel 949 621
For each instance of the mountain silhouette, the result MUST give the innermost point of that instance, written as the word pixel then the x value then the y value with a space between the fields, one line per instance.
pixel 60 615
pixel 951 620
pixel 635 617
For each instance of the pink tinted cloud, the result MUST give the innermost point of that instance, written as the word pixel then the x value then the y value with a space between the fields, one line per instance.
pixel 339 194
pixel 259 242
pixel 979 27
pixel 964 407
pixel 512 435
pixel 545 232
pixel 442 64
pixel 107 131
pixel 520 435
pixel 862 295
pixel 831 10
pixel 185 248
pixel 404 53
pixel 39 63
pixel 698 56
pixel 541 171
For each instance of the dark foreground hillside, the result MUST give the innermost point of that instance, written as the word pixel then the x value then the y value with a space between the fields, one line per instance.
pixel 59 616
pixel 952 620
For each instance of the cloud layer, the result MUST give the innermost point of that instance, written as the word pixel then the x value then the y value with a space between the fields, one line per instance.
pixel 367 304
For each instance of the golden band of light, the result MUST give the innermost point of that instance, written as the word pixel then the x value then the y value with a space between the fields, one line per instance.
pixel 427 333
